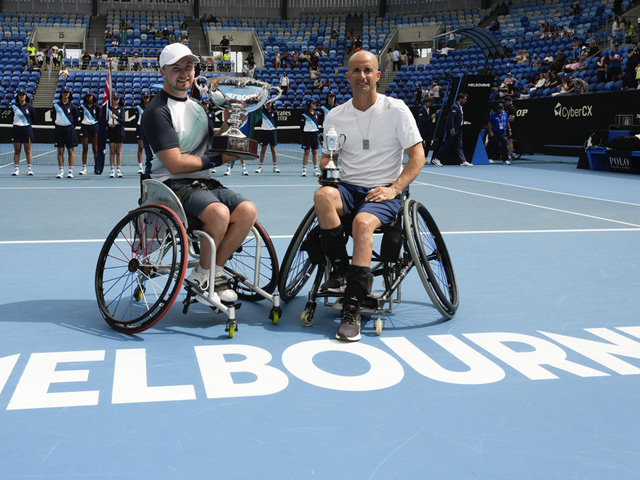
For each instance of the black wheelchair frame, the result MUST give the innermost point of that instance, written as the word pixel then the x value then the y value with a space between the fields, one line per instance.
pixel 412 240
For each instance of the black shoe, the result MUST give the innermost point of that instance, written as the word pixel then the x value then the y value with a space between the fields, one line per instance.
pixel 336 282
pixel 350 324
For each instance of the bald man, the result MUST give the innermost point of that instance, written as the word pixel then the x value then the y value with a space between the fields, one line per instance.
pixel 378 130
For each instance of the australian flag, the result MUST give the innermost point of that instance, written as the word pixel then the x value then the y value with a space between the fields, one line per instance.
pixel 103 124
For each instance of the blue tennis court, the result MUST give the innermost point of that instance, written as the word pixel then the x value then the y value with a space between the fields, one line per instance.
pixel 536 376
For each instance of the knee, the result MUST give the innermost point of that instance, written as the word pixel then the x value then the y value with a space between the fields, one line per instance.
pixel 325 195
pixel 247 211
pixel 363 228
pixel 215 214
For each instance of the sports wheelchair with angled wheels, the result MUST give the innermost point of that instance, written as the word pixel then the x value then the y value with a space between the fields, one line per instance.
pixel 142 265
pixel 411 240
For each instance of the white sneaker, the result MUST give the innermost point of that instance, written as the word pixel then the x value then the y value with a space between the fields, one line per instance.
pixel 223 288
pixel 70 174
pixel 436 162
pixel 317 173
pixel 16 172
pixel 228 172
pixel 244 172
pixel 112 174
pixel 212 171
pixel 199 280
pixel 60 174
pixel 29 171
pixel 466 164
pixel 118 173
pixel 304 172
pixel 83 171
pixel 276 169
pixel 259 169
pixel 507 162
pixel 491 160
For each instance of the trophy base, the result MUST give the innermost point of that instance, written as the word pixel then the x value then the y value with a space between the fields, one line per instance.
pixel 243 147
pixel 329 177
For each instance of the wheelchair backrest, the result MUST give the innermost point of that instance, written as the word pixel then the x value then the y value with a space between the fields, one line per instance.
pixel 155 192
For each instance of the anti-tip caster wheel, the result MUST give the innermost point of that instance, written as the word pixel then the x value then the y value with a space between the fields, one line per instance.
pixel 232 328
pixel 306 318
pixel 378 326
pixel 275 315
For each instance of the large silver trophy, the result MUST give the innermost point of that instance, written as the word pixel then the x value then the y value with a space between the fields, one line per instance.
pixel 332 142
pixel 239 96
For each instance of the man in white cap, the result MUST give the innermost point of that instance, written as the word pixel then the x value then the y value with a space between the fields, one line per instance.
pixel 175 132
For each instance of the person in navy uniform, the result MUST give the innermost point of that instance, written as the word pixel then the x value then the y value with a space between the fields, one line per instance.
pixel 269 135
pixel 499 127
pixel 115 135
pixel 426 119
pixel 310 126
pixel 328 106
pixel 453 132
pixel 65 116
pixel 137 111
pixel 21 133
pixel 89 114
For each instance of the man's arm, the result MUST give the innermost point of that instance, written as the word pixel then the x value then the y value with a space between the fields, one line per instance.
pixel 178 163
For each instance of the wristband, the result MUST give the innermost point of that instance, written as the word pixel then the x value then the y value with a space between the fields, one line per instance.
pixel 209 162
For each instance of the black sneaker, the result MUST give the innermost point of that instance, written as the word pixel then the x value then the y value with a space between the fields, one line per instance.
pixel 349 328
pixel 336 282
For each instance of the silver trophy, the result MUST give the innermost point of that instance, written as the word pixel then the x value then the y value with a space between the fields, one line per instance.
pixel 332 142
pixel 239 96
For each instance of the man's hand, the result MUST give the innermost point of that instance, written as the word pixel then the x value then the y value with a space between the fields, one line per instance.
pixel 228 158
pixel 380 194
pixel 453 131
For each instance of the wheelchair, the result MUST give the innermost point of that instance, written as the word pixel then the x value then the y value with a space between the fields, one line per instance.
pixel 411 240
pixel 144 260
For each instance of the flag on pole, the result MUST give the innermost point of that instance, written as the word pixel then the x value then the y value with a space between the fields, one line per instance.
pixel 103 124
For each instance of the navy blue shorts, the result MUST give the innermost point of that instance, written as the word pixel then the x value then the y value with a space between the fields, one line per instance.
pixel 22 134
pixel 353 202
pixel 309 140
pixel 199 199
pixel 138 133
pixel 269 137
pixel 66 137
pixel 88 131
pixel 115 135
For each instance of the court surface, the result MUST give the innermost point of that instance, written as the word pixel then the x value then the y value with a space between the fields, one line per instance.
pixel 536 376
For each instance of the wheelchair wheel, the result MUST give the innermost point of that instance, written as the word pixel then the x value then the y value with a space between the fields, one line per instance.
pixel 297 265
pixel 431 258
pixel 141 268
pixel 243 261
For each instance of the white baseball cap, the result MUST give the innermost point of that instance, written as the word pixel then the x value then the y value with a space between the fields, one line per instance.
pixel 174 52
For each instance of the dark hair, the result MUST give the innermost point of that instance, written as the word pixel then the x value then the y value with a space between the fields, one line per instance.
pixel 461 96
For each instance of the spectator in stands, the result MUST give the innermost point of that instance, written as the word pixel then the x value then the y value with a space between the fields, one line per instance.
pixel 617 7
pixel 395 55
pixel 107 33
pixel 633 60
pixel 59 58
pixel 451 39
pixel 453 133
pixel 115 135
pixel 548 59
pixel 615 63
pixel 524 94
pixel 39 58
pixel 536 61
pixel 580 86
pixel 123 61
pixel 86 60
pixel 89 114
pixel 123 37
pixel 64 115
pixel 64 73
pixel 334 38
pixel 572 66
pixel 224 43
pixel 445 50
pixel 566 86
pixel 276 61
pixel 110 61
pixel 317 83
pixel 559 61
pixel 570 31
pixel 135 62
pixel 284 83
pixel 615 27
pixel 310 126
pixel 184 26
pixel 576 9
pixel 417 101
pixel 357 44
pixel 31 52
pixel 23 115
pixel 151 30
pixel 495 26
pixel 553 81
pixel 537 82
pixel 593 49
pixel 436 93
pixel 602 65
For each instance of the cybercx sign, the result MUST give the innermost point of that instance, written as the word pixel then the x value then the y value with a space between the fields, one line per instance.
pixel 572 112
pixel 70 379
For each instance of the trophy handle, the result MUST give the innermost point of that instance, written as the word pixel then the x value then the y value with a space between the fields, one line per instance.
pixel 203 90
pixel 279 90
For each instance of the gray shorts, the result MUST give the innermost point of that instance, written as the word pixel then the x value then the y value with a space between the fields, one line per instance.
pixel 197 201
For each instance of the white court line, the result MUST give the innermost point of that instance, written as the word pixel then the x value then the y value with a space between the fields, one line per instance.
pixel 24 160
pixel 471 232
pixel 530 205
pixel 61 186
pixel 530 188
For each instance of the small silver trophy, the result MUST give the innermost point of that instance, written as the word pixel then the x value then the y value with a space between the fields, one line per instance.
pixel 239 96
pixel 332 142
